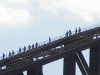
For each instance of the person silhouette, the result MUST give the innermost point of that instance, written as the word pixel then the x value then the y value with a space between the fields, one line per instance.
pixel 70 33
pixel 49 39
pixel 24 48
pixel 36 45
pixel 79 30
pixel 76 31
pixel 67 34
pixel 29 47
pixel 32 46
pixel 12 53
pixel 9 54
pixel 3 56
pixel 19 50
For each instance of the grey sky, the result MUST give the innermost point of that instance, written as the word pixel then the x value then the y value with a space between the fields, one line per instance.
pixel 24 22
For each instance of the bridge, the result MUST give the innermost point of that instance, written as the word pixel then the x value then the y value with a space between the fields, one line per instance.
pixel 68 47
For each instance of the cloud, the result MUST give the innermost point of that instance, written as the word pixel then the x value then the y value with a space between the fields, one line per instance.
pixel 82 8
pixel 12 17
pixel 16 13
pixel 14 2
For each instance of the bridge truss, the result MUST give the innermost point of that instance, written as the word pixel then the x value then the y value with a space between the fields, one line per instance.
pixel 67 47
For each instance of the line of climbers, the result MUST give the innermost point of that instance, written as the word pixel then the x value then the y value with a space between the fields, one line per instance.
pixel 24 49
pixel 68 33
pixel 20 50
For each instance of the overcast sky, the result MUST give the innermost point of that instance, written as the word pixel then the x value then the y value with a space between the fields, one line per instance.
pixel 24 22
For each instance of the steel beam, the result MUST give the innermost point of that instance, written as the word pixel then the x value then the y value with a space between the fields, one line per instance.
pixel 35 71
pixel 69 65
pixel 82 63
pixel 95 60
pixel 20 73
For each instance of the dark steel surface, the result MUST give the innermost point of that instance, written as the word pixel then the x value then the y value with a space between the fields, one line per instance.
pixel 95 60
pixel 69 67
pixel 69 49
pixel 82 61
pixel 35 71
pixel 82 64
pixel 51 45
pixel 50 53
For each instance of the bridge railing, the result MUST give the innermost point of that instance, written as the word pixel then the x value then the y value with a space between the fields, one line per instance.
pixel 54 39
pixel 59 50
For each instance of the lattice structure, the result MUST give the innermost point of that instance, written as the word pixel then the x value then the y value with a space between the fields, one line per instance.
pixel 67 47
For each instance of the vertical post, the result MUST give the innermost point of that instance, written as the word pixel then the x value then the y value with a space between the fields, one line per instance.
pixel 69 65
pixel 95 60
pixel 35 71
